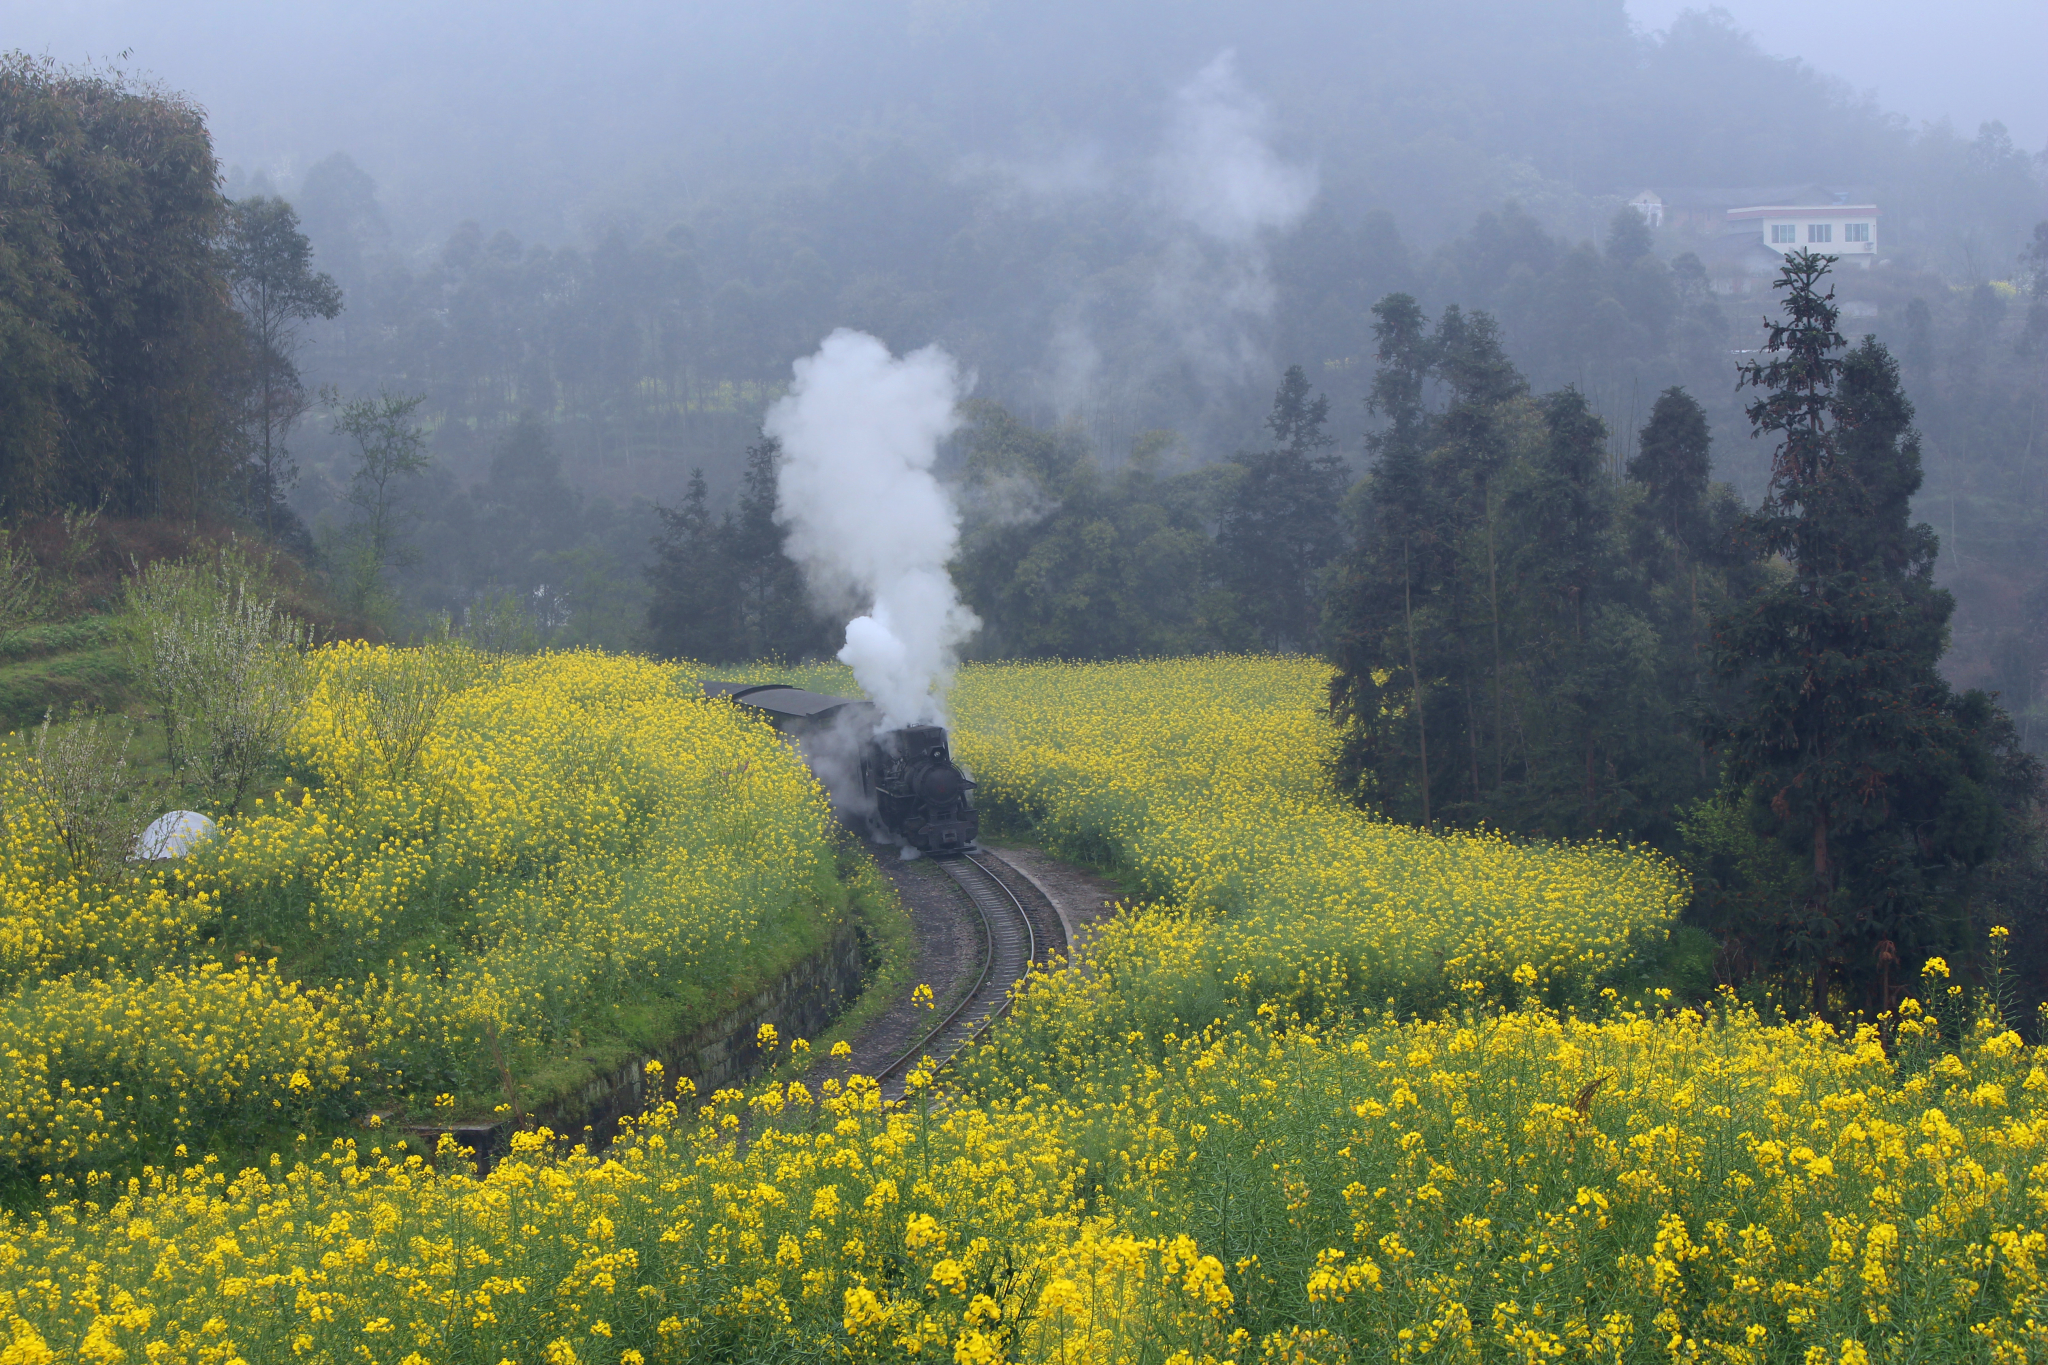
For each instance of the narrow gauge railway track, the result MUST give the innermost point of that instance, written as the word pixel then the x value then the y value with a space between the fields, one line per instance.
pixel 1013 938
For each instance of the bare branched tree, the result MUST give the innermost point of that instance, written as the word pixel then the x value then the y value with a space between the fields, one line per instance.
pixel 224 666
pixel 79 776
pixel 394 697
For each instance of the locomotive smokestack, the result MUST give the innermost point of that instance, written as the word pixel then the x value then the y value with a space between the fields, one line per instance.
pixel 859 431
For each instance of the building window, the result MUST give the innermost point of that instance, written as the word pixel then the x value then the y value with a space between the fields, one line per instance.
pixel 1855 232
pixel 1820 232
pixel 1784 232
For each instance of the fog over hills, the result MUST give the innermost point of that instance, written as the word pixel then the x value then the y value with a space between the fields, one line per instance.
pixel 540 119
pixel 614 228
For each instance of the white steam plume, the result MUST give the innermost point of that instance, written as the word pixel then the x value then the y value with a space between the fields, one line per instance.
pixel 1218 170
pixel 1215 192
pixel 859 431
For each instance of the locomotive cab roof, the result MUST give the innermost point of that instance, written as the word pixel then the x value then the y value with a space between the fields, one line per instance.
pixel 923 741
pixel 786 707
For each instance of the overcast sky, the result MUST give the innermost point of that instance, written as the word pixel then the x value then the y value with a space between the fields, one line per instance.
pixel 1969 61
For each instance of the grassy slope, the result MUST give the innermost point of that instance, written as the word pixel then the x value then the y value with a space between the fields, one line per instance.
pixel 52 666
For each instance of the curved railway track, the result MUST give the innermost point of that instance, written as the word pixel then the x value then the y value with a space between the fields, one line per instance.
pixel 1013 937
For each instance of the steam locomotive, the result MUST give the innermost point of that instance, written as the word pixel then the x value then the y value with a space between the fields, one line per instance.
pixel 898 786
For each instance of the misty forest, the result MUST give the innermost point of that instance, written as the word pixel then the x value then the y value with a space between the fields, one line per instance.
pixel 1479 516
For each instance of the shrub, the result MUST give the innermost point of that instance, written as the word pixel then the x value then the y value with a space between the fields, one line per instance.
pixel 223 665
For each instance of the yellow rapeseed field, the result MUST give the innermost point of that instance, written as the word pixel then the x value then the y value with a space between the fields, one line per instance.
pixel 1499 1186
pixel 493 861
pixel 1206 778
pixel 1267 1167
pixel 1528 1185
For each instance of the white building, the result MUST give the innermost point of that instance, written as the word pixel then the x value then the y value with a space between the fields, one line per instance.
pixel 1651 205
pixel 1845 230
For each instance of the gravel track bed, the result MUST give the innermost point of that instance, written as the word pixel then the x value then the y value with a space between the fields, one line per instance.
pixel 948 936
pixel 949 941
pixel 1085 899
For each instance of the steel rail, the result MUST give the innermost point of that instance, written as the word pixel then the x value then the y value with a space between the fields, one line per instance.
pixel 1030 943
pixel 981 895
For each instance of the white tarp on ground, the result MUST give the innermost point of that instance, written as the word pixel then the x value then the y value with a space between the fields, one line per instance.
pixel 174 835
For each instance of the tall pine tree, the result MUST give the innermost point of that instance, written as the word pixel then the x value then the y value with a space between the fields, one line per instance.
pixel 1515 632
pixel 1565 564
pixel 1846 744
pixel 725 590
pixel 776 618
pixel 1472 453
pixel 1378 691
pixel 693 612
pixel 1281 529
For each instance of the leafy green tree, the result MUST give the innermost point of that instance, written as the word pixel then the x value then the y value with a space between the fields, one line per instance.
pixel 530 508
pixel 776 618
pixel 48 373
pixel 337 204
pixel 724 590
pixel 390 453
pixel 1379 692
pixel 276 290
pixel 1679 532
pixel 1474 442
pixel 1565 563
pixel 1281 526
pixel 1061 559
pixel 118 348
pixel 1513 631
pixel 1628 237
pixel 1685 566
pixel 1672 465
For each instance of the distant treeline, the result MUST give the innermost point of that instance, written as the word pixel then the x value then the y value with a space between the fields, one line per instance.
pixel 164 347
pixel 1529 635
pixel 652 353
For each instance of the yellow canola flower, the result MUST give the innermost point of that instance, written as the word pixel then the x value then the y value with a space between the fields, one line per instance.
pixel 492 856
pixel 1396 1190
pixel 1208 779
pixel 1208 1142
pixel 681 1242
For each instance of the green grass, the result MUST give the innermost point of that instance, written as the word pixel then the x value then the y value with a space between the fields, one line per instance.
pixel 31 686
pixel 43 639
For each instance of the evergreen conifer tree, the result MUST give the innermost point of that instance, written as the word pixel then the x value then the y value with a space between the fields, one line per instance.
pixel 1846 743
pixel 776 618
pixel 1378 693
pixel 692 613
pixel 1281 529
pixel 1672 462
pixel 1566 567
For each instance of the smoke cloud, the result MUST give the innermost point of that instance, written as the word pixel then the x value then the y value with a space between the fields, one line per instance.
pixel 859 431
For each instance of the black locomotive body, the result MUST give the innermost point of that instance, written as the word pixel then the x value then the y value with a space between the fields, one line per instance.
pixel 899 786
pixel 919 793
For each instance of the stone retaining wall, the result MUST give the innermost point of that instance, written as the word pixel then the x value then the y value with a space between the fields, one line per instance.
pixel 721 1054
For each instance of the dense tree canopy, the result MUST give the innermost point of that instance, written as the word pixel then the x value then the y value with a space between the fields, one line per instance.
pixel 1517 628
pixel 122 354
